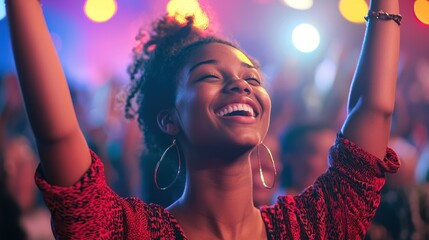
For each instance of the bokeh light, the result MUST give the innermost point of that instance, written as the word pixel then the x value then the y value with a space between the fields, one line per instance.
pixel 100 10
pixel 299 4
pixel 180 9
pixel 421 9
pixel 324 75
pixel 2 11
pixel 305 38
pixel 353 10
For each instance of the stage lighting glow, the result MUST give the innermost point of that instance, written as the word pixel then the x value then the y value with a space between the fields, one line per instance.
pixel 421 9
pixel 2 11
pixel 324 76
pixel 180 9
pixel 353 10
pixel 305 38
pixel 100 10
pixel 299 4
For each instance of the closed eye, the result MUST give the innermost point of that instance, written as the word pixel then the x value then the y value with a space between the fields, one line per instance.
pixel 254 81
pixel 209 76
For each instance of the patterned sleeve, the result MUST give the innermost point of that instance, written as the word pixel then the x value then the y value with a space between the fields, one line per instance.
pixel 341 203
pixel 90 209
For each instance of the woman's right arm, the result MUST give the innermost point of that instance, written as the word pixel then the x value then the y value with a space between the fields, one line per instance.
pixel 61 145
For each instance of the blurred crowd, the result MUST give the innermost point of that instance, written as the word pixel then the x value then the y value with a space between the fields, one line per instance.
pixel 305 121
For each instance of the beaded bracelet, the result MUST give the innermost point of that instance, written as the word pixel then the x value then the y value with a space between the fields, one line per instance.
pixel 381 15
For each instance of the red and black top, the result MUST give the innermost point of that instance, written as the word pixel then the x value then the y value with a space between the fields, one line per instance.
pixel 339 205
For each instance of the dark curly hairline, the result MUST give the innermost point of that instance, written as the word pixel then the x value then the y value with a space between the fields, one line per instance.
pixel 155 139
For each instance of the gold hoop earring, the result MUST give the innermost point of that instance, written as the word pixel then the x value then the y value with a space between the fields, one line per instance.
pixel 159 163
pixel 261 172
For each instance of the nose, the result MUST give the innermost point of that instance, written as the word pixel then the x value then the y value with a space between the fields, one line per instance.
pixel 238 86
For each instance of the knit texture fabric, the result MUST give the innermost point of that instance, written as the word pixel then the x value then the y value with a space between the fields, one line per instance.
pixel 339 205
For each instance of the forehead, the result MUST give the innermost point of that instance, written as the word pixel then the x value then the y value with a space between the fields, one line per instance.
pixel 219 52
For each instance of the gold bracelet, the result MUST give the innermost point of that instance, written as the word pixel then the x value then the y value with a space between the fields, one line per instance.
pixel 382 15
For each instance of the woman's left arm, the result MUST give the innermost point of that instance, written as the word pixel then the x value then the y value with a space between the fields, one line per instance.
pixel 372 94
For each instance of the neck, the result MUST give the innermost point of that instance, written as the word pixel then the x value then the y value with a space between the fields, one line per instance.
pixel 219 201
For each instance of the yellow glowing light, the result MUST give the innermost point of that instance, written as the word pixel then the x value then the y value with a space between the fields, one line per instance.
pixel 240 55
pixel 421 9
pixel 299 4
pixel 353 10
pixel 180 9
pixel 100 10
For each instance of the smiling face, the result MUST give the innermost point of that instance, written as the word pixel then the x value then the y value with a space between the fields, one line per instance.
pixel 221 104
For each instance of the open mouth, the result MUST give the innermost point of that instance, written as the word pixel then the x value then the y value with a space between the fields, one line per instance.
pixel 237 109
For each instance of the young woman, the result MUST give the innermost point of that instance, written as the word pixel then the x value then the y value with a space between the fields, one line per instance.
pixel 203 97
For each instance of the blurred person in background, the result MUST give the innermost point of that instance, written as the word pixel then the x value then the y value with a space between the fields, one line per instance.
pixel 13 120
pixel 10 214
pixel 403 210
pixel 304 148
pixel 18 165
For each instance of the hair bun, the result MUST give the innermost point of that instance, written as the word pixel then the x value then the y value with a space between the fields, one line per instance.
pixel 167 32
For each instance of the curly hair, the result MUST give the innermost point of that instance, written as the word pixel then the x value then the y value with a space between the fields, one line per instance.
pixel 153 72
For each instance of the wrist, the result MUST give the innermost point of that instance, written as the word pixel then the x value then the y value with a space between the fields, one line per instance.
pixel 384 16
pixel 390 6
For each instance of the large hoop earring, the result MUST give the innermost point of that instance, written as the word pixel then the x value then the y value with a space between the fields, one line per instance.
pixel 159 163
pixel 261 172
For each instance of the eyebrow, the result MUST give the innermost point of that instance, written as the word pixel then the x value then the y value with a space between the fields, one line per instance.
pixel 213 61
pixel 210 61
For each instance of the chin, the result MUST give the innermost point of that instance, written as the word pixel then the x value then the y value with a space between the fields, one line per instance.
pixel 249 146
pixel 250 141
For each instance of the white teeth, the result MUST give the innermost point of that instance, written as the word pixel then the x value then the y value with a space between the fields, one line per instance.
pixel 236 107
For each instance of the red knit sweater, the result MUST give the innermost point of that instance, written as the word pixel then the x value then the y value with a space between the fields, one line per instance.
pixel 340 204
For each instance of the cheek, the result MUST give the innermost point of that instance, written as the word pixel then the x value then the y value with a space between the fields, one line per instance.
pixel 265 101
pixel 263 97
pixel 192 106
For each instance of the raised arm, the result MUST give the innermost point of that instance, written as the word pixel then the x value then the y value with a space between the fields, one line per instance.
pixel 61 145
pixel 372 94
